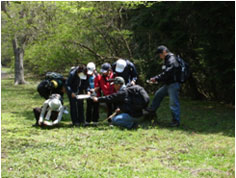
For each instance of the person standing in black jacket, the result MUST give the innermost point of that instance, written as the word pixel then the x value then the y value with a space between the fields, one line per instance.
pixel 77 83
pixel 125 69
pixel 171 86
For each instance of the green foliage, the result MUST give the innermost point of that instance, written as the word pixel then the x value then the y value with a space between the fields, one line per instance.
pixel 201 32
pixel 63 34
pixel 204 146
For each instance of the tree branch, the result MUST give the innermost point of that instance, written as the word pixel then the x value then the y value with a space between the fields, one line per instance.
pixel 93 51
pixel 4 5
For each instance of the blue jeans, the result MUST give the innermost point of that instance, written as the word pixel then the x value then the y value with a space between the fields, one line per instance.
pixel 173 91
pixel 123 120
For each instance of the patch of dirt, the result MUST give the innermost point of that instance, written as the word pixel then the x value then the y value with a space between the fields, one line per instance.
pixel 4 74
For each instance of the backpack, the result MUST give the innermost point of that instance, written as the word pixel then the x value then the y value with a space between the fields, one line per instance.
pixel 137 97
pixel 183 72
pixel 53 76
pixel 45 87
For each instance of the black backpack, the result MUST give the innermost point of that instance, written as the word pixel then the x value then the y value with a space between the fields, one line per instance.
pixel 45 87
pixel 138 97
pixel 183 72
pixel 53 76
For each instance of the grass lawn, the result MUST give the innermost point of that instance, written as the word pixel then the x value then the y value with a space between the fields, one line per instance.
pixel 203 146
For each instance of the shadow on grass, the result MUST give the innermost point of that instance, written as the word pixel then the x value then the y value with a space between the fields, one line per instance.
pixel 209 123
pixel 226 126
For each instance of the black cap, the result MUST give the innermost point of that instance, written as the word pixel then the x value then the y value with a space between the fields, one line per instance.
pixel 161 48
pixel 118 80
pixel 105 67
pixel 82 68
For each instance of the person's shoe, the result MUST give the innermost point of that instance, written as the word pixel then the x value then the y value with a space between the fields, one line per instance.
pixel 135 125
pixel 35 125
pixel 175 124
pixel 111 126
pixel 95 123
pixel 77 124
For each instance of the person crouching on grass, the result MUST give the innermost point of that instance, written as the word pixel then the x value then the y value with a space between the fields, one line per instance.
pixel 51 112
pixel 130 101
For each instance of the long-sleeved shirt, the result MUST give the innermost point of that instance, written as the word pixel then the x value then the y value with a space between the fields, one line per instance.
pixel 103 82
pixel 129 74
pixel 124 100
pixel 169 68
pixel 49 112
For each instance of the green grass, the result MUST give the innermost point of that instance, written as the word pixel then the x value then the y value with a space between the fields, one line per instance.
pixel 202 147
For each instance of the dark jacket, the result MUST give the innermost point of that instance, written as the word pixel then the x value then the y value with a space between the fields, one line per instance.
pixel 74 84
pixel 129 73
pixel 46 87
pixel 169 70
pixel 124 99
pixel 59 88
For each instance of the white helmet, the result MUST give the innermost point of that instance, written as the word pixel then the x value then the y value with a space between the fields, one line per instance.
pixel 120 65
pixel 90 68
pixel 55 104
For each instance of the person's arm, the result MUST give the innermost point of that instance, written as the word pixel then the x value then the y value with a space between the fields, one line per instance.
pixel 87 86
pixel 59 117
pixel 113 98
pixel 168 71
pixel 97 86
pixel 113 67
pixel 133 72
pixel 69 82
pixel 48 114
pixel 45 105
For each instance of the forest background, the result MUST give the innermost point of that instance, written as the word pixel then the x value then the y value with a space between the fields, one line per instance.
pixel 38 37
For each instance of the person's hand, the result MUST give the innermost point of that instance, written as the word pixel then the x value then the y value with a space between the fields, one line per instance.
pixel 40 123
pixel 153 79
pixel 92 90
pixel 132 83
pixel 95 99
pixel 96 89
pixel 73 95
pixel 47 123
pixel 117 110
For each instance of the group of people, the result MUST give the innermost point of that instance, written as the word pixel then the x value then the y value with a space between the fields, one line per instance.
pixel 115 85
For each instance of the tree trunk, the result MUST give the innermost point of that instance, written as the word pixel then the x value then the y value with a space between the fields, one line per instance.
pixel 19 68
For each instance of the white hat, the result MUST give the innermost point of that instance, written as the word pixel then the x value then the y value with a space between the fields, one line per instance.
pixel 120 65
pixel 55 104
pixel 90 67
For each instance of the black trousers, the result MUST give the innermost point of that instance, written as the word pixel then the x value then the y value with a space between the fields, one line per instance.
pixel 92 113
pixel 76 110
pixel 37 112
